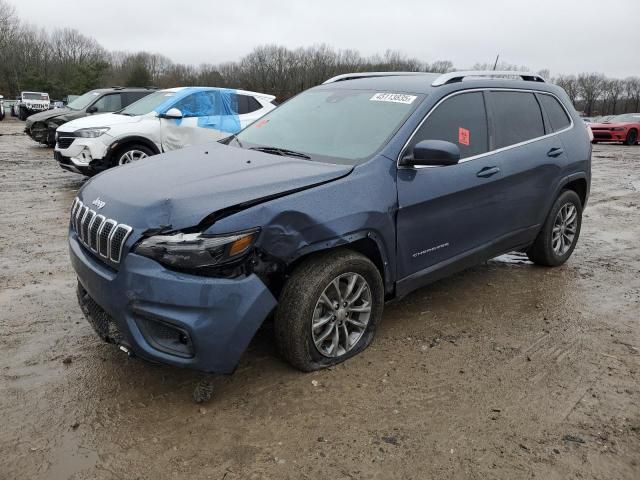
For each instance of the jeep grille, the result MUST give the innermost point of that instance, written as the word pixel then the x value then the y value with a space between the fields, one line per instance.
pixel 103 236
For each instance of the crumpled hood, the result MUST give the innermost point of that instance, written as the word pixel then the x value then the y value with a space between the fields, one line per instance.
pixel 99 120
pixel 179 189
pixel 49 114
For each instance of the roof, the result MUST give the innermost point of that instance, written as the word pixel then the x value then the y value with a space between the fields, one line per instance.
pixel 425 83
pixel 200 89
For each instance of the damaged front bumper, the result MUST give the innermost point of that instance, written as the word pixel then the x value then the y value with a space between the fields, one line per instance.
pixel 163 316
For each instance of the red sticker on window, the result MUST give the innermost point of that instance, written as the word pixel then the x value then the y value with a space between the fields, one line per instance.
pixel 261 123
pixel 463 136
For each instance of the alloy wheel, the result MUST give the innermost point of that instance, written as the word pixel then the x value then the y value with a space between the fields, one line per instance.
pixel 564 229
pixel 341 315
pixel 131 156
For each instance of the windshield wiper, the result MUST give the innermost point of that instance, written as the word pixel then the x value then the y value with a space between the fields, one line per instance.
pixel 281 151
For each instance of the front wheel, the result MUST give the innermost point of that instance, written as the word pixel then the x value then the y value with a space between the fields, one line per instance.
pixel 22 114
pixel 556 241
pixel 632 138
pixel 131 154
pixel 328 310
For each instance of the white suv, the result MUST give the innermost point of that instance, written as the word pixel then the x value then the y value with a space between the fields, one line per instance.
pixel 162 121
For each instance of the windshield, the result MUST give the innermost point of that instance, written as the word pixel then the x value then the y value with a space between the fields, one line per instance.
pixel 83 101
pixel 339 126
pixel 629 117
pixel 35 96
pixel 147 104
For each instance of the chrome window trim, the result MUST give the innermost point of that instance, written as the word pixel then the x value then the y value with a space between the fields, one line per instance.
pixel 490 152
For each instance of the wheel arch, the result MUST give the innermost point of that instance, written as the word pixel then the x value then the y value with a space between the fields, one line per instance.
pixel 132 140
pixel 367 243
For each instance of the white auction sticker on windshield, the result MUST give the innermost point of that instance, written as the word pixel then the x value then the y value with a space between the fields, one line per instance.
pixel 393 97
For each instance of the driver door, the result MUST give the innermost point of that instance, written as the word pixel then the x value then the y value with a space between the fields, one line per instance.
pixel 199 122
pixel 447 212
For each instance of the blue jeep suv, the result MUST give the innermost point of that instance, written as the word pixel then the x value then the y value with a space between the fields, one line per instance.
pixel 350 194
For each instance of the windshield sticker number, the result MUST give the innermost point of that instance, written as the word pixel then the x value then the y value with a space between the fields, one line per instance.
pixel 464 137
pixel 393 97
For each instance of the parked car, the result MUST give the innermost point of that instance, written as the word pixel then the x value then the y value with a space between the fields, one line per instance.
pixel 619 128
pixel 29 103
pixel 350 194
pixel 1 108
pixel 163 121
pixel 42 126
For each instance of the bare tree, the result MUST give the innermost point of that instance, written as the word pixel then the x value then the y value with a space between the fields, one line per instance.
pixel 590 87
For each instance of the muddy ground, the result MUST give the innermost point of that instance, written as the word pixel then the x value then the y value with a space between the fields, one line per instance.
pixel 505 371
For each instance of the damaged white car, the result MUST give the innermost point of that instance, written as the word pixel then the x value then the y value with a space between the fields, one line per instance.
pixel 162 121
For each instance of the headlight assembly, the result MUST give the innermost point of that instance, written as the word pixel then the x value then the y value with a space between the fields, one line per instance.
pixel 91 132
pixel 197 250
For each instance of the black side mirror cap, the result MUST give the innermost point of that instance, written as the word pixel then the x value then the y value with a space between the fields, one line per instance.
pixel 432 152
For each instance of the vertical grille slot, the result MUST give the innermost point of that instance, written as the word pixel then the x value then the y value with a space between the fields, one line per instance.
pixel 102 235
pixel 86 221
pixel 94 228
pixel 118 237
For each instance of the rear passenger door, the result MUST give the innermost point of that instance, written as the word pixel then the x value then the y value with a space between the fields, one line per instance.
pixel 531 158
pixel 448 212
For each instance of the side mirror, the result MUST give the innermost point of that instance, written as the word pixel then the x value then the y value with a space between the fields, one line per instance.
pixel 172 113
pixel 92 109
pixel 432 152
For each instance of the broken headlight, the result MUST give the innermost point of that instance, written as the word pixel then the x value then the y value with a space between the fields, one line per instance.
pixel 197 250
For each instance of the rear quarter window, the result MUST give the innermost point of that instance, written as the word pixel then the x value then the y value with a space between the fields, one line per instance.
pixel 555 112
pixel 516 117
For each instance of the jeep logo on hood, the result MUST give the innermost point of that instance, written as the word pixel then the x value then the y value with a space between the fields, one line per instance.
pixel 98 203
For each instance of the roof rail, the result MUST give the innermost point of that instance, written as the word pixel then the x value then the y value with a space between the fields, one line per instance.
pixel 353 76
pixel 453 77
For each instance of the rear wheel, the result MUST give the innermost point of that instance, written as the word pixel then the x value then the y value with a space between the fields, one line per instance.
pixel 328 310
pixel 557 239
pixel 131 154
pixel 632 137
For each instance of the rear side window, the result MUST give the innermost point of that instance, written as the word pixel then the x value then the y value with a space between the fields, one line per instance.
pixel 557 115
pixel 516 117
pixel 462 120
pixel 246 104
pixel 129 97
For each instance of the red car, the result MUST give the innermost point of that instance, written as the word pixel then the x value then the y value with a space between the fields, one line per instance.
pixel 621 128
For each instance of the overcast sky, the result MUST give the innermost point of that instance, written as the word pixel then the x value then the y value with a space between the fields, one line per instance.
pixel 566 36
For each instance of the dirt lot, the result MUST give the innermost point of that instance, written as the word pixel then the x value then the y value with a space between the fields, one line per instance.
pixel 505 371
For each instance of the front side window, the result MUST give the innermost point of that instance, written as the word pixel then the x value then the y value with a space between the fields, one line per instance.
pixel 460 119
pixel 333 125
pixel 200 104
pixel 556 113
pixel 516 117
pixel 108 103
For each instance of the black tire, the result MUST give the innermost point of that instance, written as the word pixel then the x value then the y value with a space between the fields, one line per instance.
pixel 300 296
pixel 632 137
pixel 541 251
pixel 115 159
pixel 22 114
pixel 51 138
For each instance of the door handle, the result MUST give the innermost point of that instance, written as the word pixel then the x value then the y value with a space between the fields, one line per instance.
pixel 555 152
pixel 487 172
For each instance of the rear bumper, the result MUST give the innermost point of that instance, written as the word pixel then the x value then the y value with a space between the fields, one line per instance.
pixel 609 136
pixel 218 316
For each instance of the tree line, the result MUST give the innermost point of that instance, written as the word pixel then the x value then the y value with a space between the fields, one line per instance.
pixel 65 61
